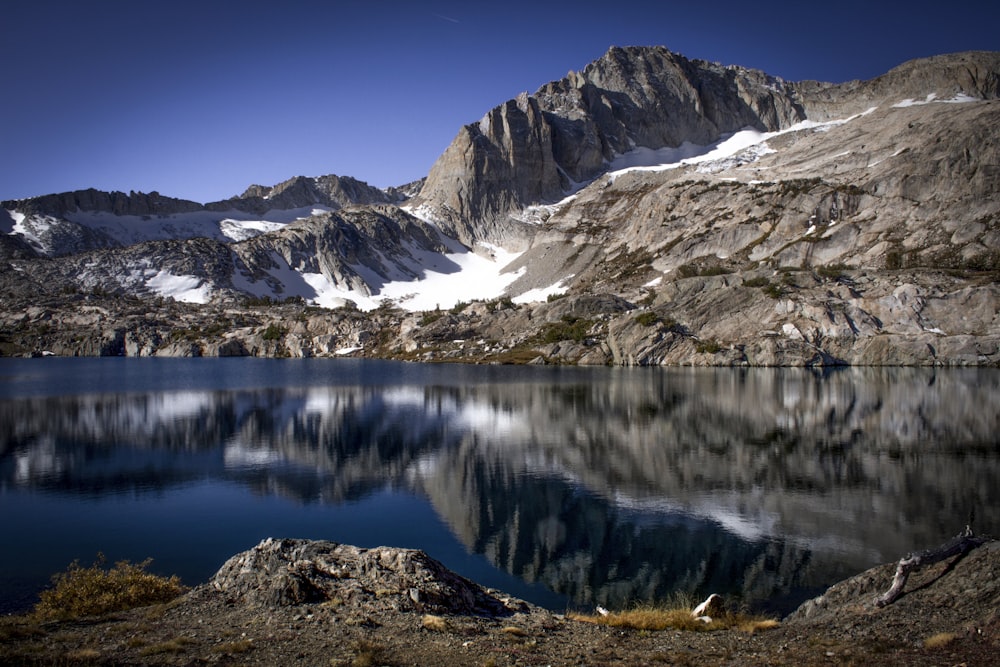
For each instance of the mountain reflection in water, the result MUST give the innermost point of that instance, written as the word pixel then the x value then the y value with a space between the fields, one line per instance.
pixel 606 486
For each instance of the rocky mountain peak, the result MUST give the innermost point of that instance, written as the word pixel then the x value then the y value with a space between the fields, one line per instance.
pixel 330 191
pixel 91 200
pixel 536 147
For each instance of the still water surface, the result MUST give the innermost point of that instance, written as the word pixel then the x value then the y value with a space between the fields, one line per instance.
pixel 568 487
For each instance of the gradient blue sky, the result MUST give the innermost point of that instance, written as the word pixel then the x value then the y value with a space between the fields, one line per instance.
pixel 198 100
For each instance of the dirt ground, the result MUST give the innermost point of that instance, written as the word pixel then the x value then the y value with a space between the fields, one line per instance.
pixel 949 616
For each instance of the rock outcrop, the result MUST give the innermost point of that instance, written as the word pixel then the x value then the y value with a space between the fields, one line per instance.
pixel 281 572
pixel 91 200
pixel 333 192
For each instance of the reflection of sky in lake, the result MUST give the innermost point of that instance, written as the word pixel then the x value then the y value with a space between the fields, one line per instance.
pixel 564 486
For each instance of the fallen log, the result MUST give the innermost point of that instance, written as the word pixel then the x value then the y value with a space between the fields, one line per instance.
pixel 960 544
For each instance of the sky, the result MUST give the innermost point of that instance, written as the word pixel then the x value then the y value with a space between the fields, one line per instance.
pixel 200 99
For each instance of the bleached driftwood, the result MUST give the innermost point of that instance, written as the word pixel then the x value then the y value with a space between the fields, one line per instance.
pixel 960 544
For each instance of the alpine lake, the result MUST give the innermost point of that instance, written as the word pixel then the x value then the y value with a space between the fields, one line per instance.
pixel 568 487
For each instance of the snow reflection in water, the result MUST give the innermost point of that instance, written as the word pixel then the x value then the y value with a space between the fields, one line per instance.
pixel 564 486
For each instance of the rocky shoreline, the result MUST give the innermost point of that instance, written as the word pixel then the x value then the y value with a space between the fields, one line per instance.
pixel 320 603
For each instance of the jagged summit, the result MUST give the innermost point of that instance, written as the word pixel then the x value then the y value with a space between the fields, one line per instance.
pixel 330 191
pixel 536 148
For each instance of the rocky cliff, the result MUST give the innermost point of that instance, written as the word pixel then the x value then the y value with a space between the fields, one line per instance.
pixel 537 148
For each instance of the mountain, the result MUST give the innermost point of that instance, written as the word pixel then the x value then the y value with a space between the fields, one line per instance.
pixel 74 222
pixel 538 147
pixel 649 209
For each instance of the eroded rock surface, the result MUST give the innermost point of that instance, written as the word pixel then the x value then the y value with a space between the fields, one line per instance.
pixel 281 572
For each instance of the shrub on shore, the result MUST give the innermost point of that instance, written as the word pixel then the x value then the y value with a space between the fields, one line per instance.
pixel 94 590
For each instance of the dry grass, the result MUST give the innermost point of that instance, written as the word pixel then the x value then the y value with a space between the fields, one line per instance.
pixel 939 640
pixel 83 655
pixel 170 646
pixel 434 623
pixel 14 628
pixel 752 625
pixel 514 631
pixel 656 619
pixel 93 590
pixel 368 654
pixel 233 647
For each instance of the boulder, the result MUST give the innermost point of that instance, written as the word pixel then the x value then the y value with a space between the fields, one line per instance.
pixel 279 572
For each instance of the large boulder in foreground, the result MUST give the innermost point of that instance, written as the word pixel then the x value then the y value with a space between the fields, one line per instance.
pixel 281 572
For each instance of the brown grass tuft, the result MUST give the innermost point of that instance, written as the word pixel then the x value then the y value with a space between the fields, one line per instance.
pixel 752 625
pixel 939 640
pixel 656 619
pixel 93 590
pixel 234 647
pixel 435 623
pixel 514 631
pixel 367 654
pixel 83 655
pixel 170 646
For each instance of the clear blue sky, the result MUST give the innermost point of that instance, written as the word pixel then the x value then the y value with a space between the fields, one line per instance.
pixel 201 99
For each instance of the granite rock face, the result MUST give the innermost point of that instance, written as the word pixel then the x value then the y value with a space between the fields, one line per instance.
pixel 330 191
pixel 281 572
pixel 534 148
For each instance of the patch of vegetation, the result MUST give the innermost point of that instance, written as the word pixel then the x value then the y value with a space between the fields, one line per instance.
pixel 217 328
pixel 459 307
pixel 368 654
pixel 939 640
pixel 691 270
pixel 517 356
pixel 657 619
pixel 850 189
pixel 434 623
pixel 430 318
pixel 570 328
pixel 94 590
pixel 709 346
pixel 799 186
pixel 501 303
pixel 628 264
pixel 170 646
pixel 832 271
pixel 774 291
pixel 274 331
pixel 894 259
pixel 757 281
pixel 554 297
pixel 647 318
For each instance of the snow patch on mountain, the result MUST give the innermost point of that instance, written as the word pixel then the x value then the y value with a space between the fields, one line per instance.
pixel 731 150
pixel 478 276
pixel 52 235
pixel 230 225
pixel 189 289
pixel 543 293
pixel 961 98
pixel 443 281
